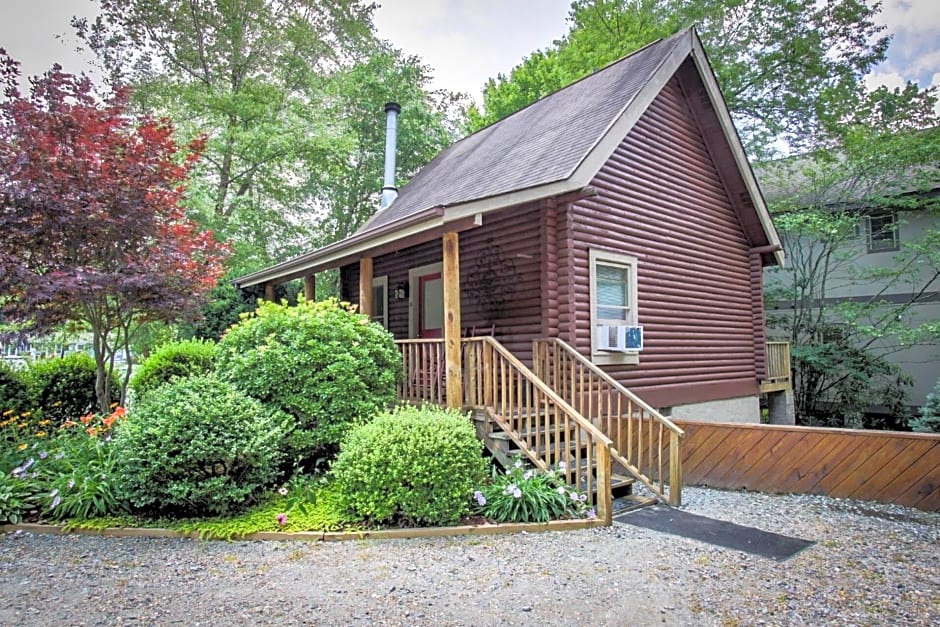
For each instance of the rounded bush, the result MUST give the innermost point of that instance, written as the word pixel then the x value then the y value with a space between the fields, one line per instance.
pixel 63 388
pixel 171 361
pixel 414 464
pixel 14 392
pixel 197 446
pixel 320 362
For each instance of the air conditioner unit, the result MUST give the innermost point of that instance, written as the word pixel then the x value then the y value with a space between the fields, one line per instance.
pixel 619 338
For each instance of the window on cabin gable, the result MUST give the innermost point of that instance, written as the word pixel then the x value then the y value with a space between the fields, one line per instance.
pixel 613 289
pixel 882 232
pixel 380 300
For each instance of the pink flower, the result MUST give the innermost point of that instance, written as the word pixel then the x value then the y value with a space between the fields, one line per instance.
pixel 282 519
pixel 282 491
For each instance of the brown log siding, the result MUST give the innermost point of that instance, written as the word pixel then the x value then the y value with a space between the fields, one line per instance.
pixel 515 232
pixel 661 200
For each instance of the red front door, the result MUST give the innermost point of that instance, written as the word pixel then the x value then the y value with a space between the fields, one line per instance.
pixel 430 306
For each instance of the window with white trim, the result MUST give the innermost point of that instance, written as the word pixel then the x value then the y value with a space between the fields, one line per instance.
pixel 380 300
pixel 882 232
pixel 613 302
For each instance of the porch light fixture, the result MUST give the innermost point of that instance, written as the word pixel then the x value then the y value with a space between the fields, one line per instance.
pixel 401 291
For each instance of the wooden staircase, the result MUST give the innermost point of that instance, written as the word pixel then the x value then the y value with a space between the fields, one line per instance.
pixel 607 447
pixel 506 447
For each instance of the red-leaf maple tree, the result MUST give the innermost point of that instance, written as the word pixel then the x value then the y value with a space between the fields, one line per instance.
pixel 92 225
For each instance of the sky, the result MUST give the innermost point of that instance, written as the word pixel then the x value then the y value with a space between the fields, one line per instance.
pixel 465 41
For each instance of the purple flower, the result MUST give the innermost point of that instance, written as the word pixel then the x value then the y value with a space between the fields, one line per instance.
pixel 54 492
pixel 518 463
pixel 562 466
pixel 71 484
pixel 517 493
pixel 561 490
pixel 282 519
pixel 480 499
pixel 591 514
pixel 55 502
pixel 528 474
pixel 282 491
pixel 574 496
pixel 43 455
pixel 582 498
pixel 510 489
pixel 60 455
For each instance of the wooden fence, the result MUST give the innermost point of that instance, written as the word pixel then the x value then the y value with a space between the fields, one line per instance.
pixel 891 467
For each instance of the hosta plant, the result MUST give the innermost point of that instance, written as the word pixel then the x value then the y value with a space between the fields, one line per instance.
pixel 523 494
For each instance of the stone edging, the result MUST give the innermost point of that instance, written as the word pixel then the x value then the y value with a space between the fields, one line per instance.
pixel 320 536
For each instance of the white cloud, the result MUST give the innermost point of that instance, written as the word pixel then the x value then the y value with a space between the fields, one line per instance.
pixel 469 41
pixel 916 16
pixel 888 79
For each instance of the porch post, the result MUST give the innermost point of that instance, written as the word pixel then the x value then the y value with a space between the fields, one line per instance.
pixel 365 286
pixel 269 292
pixel 310 287
pixel 451 279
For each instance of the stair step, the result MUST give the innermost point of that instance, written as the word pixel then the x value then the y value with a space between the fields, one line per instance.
pixel 630 502
pixel 499 434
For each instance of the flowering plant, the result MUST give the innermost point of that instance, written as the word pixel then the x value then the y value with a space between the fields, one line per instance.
pixel 522 494
pixel 97 425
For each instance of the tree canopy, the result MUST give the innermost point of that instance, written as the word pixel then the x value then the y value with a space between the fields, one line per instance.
pixel 92 221
pixel 790 70
pixel 289 94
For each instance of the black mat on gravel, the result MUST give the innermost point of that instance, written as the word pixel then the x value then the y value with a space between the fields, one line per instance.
pixel 748 539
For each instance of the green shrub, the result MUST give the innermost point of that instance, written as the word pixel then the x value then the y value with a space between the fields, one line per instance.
pixel 197 446
pixel 173 360
pixel 63 388
pixel 14 392
pixel 929 419
pixel 320 362
pixel 415 465
pixel 522 494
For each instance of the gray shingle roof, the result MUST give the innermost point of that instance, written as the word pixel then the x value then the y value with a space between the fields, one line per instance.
pixel 540 144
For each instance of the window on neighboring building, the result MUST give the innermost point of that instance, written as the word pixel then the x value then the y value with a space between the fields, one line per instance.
pixel 882 231
pixel 380 300
pixel 613 301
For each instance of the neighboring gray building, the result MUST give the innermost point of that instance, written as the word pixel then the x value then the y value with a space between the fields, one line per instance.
pixel 880 233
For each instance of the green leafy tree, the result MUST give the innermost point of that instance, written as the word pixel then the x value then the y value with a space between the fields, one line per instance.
pixel 788 69
pixel 289 93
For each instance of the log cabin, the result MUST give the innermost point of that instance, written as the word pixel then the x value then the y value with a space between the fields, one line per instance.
pixel 597 253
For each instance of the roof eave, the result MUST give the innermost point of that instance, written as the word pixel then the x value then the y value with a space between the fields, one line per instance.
pixel 321 258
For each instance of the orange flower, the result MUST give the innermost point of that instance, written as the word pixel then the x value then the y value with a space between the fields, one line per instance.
pixel 87 418
pixel 120 412
pixel 109 420
pixel 92 431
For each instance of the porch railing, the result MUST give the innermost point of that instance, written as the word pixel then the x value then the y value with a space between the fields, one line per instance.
pixel 778 362
pixel 645 442
pixel 424 370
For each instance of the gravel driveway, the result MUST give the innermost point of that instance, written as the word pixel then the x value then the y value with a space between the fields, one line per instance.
pixel 872 564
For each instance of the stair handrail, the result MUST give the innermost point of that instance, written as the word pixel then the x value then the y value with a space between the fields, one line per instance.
pixel 604 443
pixel 616 385
pixel 675 466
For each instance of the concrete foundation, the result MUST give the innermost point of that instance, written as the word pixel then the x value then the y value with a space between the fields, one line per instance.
pixel 780 407
pixel 745 409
